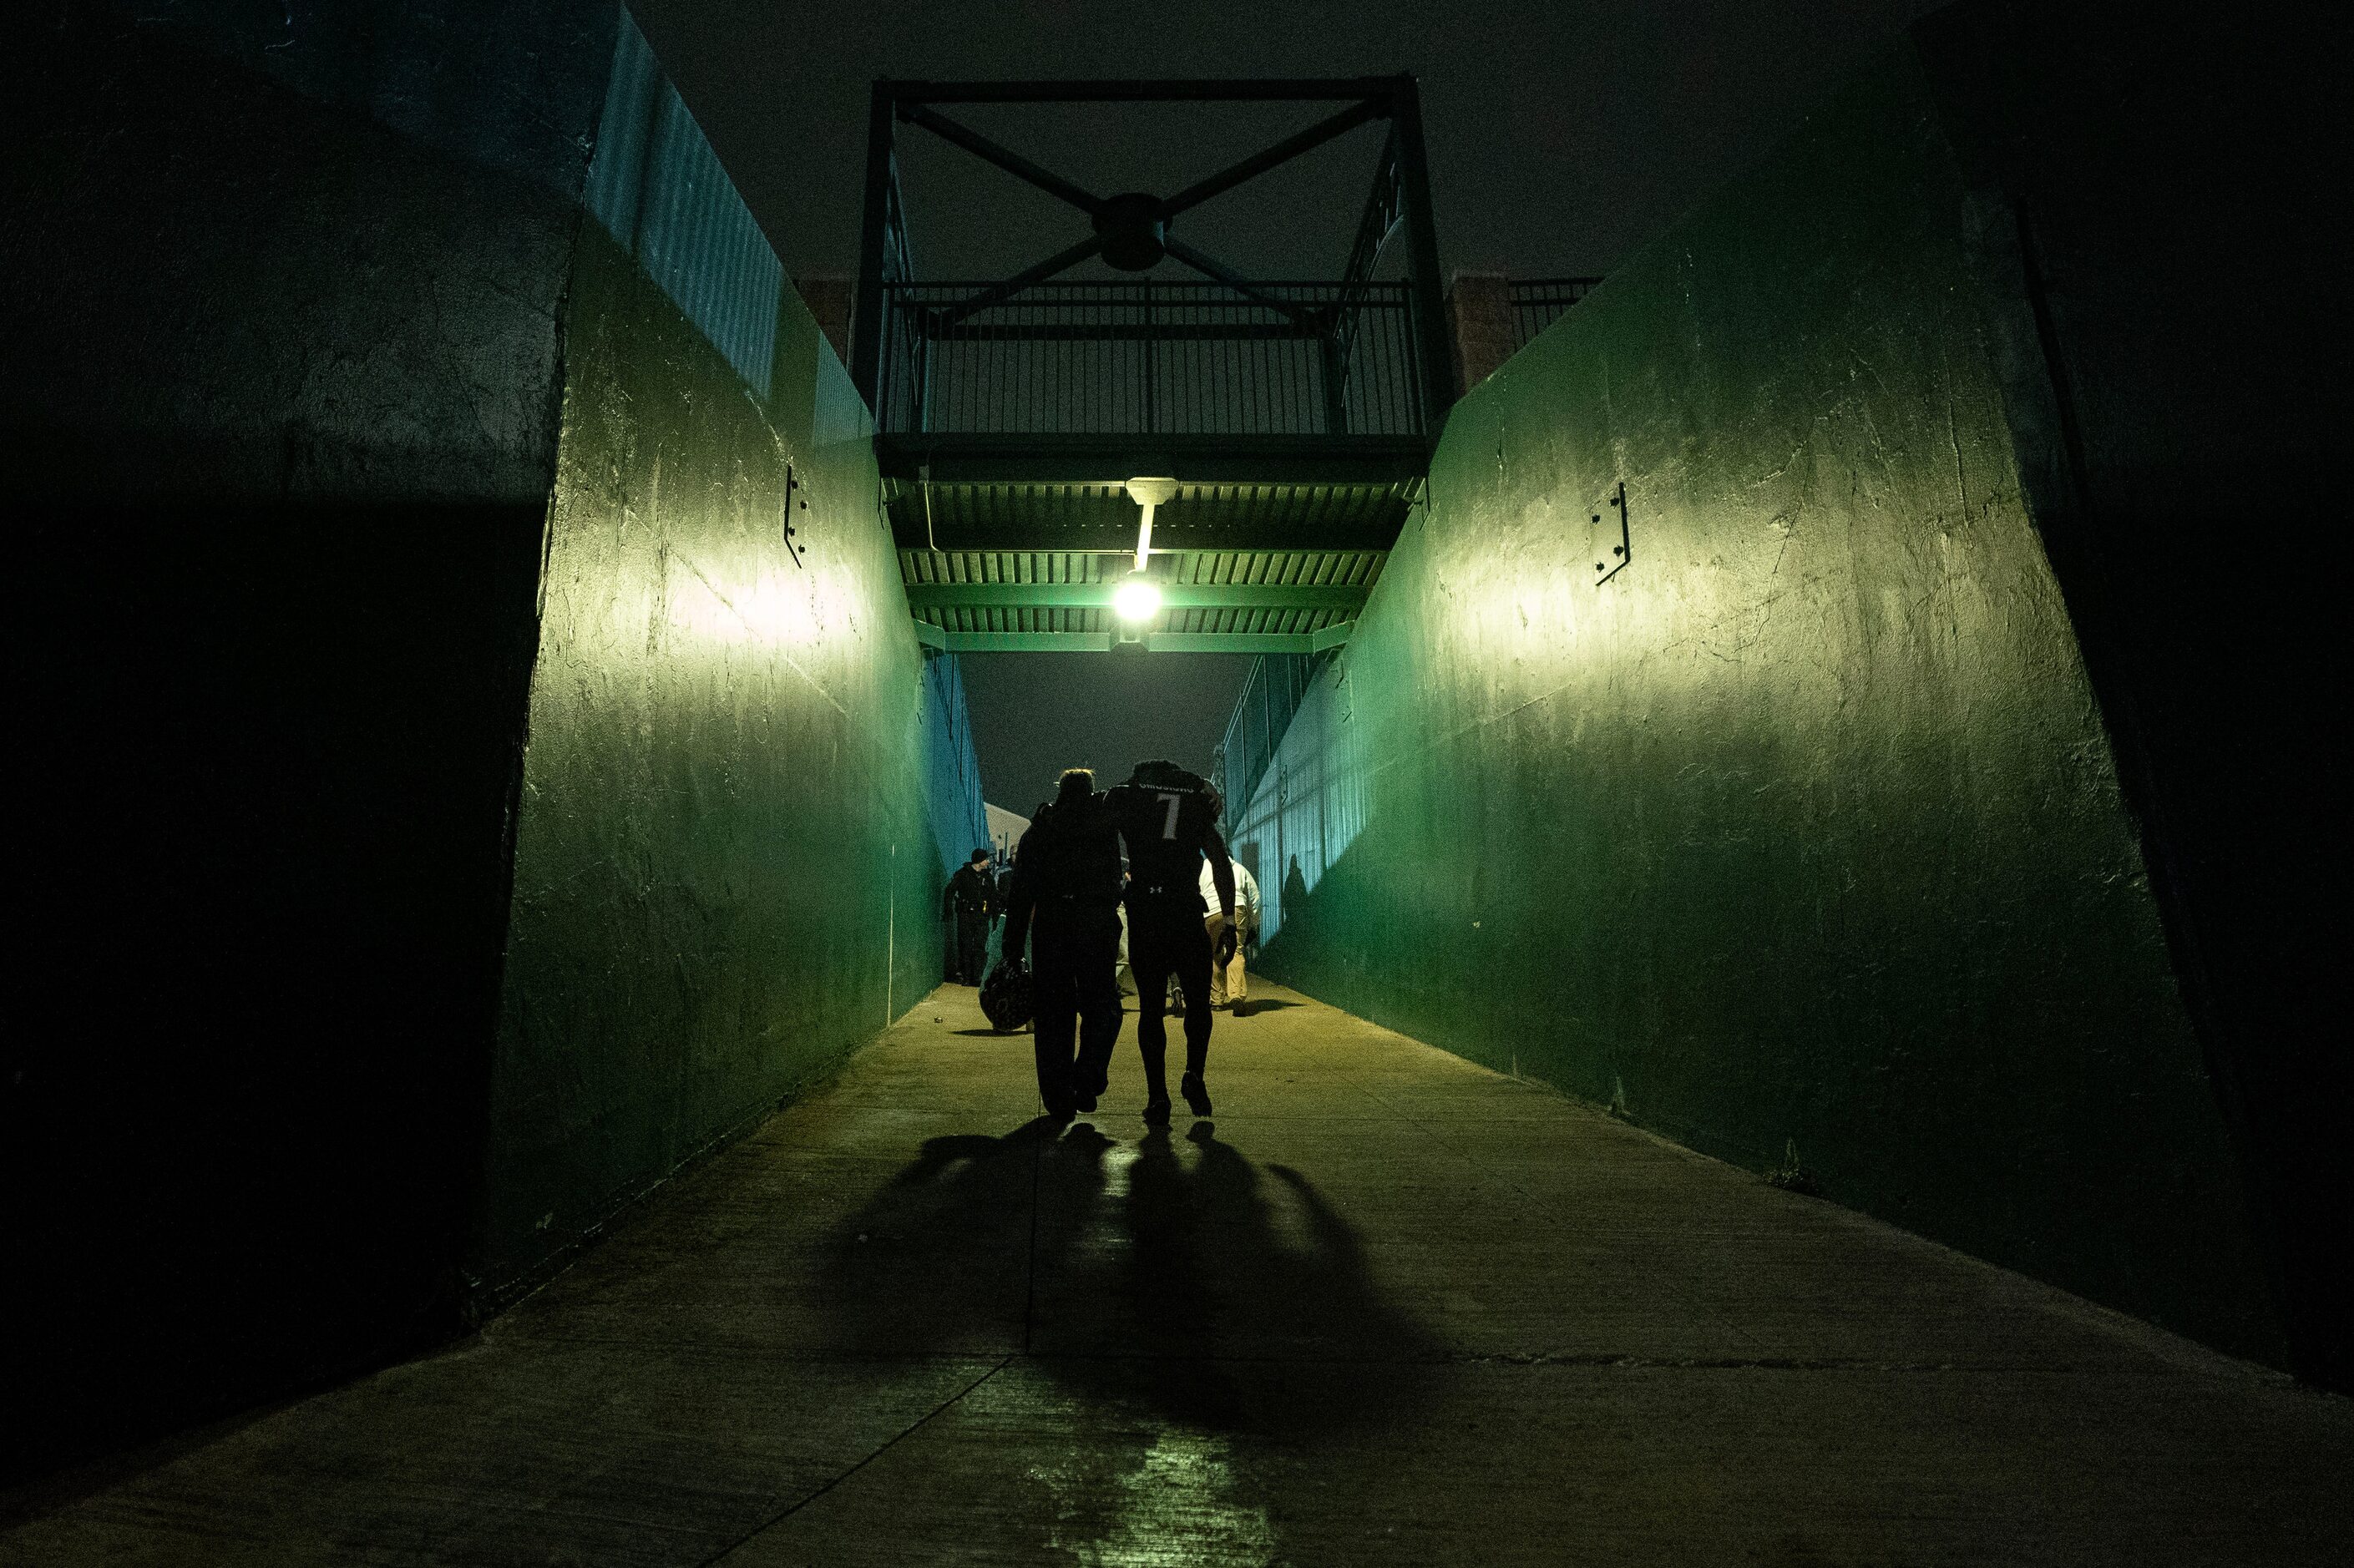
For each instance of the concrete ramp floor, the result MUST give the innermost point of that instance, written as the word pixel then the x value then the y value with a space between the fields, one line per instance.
pixel 1389 1308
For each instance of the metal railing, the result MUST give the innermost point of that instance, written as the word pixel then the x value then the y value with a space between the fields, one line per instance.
pixel 1152 359
pixel 1271 695
pixel 1538 302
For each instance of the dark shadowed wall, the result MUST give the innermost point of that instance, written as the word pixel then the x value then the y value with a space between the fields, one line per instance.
pixel 351 592
pixel 1802 838
pixel 2182 416
pixel 279 417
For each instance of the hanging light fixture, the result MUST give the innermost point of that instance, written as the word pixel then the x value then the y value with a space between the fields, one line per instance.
pixel 1136 599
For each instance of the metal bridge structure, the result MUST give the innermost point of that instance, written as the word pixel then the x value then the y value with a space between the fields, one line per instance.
pixel 1285 425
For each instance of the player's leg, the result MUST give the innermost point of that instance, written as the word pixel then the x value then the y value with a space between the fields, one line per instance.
pixel 1214 923
pixel 1237 977
pixel 1054 1005
pixel 972 945
pixel 1100 1013
pixel 1148 959
pixel 1191 962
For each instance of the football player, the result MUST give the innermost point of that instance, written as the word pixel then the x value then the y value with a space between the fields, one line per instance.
pixel 1066 878
pixel 1169 819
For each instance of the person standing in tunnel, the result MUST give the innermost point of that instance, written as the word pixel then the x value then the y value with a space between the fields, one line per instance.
pixel 1229 985
pixel 1168 818
pixel 971 899
pixel 1065 901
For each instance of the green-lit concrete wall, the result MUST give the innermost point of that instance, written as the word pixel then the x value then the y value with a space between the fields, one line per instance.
pixel 1800 838
pixel 726 873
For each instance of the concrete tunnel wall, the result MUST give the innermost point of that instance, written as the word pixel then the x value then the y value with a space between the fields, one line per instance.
pixel 455 807
pixel 728 863
pixel 1802 839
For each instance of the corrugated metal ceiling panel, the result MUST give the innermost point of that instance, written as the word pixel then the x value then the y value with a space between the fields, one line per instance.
pixel 1351 567
pixel 1034 517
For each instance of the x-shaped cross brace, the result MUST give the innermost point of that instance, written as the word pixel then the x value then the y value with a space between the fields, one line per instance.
pixel 1131 232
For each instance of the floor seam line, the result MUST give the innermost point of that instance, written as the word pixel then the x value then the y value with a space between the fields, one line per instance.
pixel 910 1430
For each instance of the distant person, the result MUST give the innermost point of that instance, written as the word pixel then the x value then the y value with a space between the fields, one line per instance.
pixel 1168 818
pixel 971 900
pixel 1229 986
pixel 1065 901
pixel 1001 877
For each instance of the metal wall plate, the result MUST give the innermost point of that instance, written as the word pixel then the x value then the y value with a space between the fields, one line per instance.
pixel 1606 530
pixel 796 500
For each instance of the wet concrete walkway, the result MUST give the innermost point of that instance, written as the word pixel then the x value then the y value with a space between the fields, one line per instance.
pixel 1389 1308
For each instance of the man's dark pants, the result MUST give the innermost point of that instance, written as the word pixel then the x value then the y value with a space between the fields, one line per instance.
pixel 1166 936
pixel 972 946
pixel 1074 986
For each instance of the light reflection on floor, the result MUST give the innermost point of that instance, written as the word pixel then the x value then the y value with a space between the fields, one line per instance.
pixel 1175 1508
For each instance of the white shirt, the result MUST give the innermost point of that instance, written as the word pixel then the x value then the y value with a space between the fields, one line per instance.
pixel 1245 893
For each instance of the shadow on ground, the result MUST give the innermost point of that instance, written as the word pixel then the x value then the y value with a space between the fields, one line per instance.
pixel 1173 1277
pixel 1223 1272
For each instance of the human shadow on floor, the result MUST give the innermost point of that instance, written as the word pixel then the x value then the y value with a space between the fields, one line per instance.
pixel 938 1260
pixel 1241 1299
pixel 1173 1275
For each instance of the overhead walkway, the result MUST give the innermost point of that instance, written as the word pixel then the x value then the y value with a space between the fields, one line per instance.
pixel 1293 418
pixel 1388 1307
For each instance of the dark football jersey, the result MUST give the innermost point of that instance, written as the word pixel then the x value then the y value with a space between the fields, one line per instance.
pixel 1068 867
pixel 1167 829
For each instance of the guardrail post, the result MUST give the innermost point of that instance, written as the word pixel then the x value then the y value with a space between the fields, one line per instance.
pixel 1336 381
pixel 1437 380
pixel 874 244
pixel 919 375
pixel 1152 366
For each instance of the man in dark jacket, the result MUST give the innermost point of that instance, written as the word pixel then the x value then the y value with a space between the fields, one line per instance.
pixel 971 899
pixel 1066 878
pixel 1169 819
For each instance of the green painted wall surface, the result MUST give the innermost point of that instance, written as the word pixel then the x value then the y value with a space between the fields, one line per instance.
pixel 1802 834
pixel 725 875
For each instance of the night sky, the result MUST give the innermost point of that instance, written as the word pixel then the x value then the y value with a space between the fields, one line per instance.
pixel 1563 137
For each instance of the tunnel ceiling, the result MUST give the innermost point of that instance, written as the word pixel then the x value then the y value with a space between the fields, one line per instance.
pixel 1214 600
pixel 1243 568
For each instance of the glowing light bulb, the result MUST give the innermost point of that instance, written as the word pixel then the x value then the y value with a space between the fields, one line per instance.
pixel 1136 598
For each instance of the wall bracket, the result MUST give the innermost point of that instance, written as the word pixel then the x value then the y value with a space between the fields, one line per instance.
pixel 1606 534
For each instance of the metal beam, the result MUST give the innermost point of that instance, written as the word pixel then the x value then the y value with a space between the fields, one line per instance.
pixel 1283 152
pixel 1006 158
pixel 1383 207
pixel 1113 460
pixel 1217 271
pixel 1331 636
pixel 1422 257
pixel 874 250
pixel 1098 596
pixel 1100 643
pixel 1292 331
pixel 1247 90
pixel 1061 261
